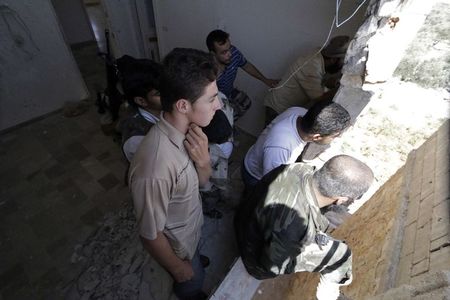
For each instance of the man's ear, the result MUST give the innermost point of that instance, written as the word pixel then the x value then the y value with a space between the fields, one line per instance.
pixel 140 101
pixel 182 105
pixel 316 137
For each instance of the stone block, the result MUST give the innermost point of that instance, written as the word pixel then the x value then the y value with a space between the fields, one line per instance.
pixel 404 270
pixel 441 220
pixel 349 80
pixel 429 166
pixel 427 187
pixel 415 186
pixel 430 144
pixel 420 268
pixel 422 243
pixel 408 239
pixel 418 167
pixel 425 210
pixel 443 133
pixel 442 166
pixel 353 100
pixel 430 282
pixel 439 242
pixel 440 259
pixel 442 145
pixel 441 190
pixel 413 210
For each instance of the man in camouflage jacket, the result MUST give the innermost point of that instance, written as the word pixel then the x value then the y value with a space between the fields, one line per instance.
pixel 280 228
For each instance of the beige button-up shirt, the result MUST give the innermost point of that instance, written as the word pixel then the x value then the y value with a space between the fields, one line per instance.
pixel 301 88
pixel 165 190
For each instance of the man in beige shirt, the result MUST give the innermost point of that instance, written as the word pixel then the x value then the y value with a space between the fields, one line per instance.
pixel 306 80
pixel 170 165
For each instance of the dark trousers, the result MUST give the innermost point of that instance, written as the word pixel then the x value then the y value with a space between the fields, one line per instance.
pixel 249 181
pixel 192 288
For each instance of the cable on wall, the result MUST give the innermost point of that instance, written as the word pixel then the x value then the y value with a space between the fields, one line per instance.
pixel 334 22
pixel 338 4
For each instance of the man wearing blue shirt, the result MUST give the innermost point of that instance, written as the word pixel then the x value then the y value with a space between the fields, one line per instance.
pixel 229 59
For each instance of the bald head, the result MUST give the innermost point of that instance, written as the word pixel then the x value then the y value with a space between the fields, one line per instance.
pixel 343 176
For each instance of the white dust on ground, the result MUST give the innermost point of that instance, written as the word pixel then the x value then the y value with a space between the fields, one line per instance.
pixel 398 119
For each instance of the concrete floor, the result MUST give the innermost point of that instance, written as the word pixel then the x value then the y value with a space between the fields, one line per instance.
pixel 67 221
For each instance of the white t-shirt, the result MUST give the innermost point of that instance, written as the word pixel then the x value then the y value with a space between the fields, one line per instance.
pixel 278 144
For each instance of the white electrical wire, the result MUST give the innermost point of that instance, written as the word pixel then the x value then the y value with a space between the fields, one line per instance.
pixel 334 22
pixel 307 61
pixel 338 4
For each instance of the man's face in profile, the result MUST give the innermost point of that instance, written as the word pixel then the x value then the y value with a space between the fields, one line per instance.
pixel 223 52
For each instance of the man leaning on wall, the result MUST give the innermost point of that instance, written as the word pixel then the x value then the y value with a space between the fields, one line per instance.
pixel 280 228
pixel 309 79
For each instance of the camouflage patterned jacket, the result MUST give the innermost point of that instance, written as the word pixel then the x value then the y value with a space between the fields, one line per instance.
pixel 280 229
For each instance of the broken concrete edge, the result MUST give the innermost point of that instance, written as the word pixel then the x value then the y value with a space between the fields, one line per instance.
pixel 410 16
pixel 433 285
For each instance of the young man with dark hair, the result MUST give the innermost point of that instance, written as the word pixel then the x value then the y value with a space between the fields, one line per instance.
pixel 170 165
pixel 283 140
pixel 140 83
pixel 315 79
pixel 229 60
pixel 280 228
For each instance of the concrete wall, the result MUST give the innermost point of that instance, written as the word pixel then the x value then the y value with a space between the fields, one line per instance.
pixel 74 21
pixel 426 245
pixel 271 34
pixel 37 70
pixel 369 60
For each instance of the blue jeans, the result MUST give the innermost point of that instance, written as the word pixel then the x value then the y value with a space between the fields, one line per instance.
pixel 191 288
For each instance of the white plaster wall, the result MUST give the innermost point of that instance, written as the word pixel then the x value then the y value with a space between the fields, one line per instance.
pixel 74 21
pixel 271 34
pixel 124 21
pixel 132 27
pixel 37 70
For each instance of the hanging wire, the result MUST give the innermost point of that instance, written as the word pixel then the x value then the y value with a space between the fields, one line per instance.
pixel 338 4
pixel 334 22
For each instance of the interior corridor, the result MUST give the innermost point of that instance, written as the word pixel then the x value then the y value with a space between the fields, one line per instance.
pixel 62 184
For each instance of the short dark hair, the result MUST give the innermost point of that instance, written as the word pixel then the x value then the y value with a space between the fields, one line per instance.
pixel 325 118
pixel 138 77
pixel 186 74
pixel 216 36
pixel 343 176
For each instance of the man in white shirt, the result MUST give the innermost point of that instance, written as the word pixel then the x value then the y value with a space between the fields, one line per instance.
pixel 283 140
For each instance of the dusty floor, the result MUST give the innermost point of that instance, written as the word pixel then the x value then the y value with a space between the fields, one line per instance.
pixel 68 229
